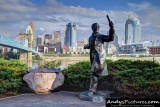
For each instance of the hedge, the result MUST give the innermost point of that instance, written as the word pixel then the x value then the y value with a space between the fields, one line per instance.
pixel 11 72
pixel 129 78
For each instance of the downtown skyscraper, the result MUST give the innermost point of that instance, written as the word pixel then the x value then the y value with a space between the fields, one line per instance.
pixel 70 35
pixel 132 30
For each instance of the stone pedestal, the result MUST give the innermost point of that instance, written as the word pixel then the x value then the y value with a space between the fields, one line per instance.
pixel 43 81
pixel 98 97
pixel 94 98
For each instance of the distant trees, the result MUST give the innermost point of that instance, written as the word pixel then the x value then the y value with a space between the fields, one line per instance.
pixel 9 55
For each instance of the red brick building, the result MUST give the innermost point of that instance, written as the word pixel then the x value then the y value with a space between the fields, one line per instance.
pixel 65 48
pixel 154 50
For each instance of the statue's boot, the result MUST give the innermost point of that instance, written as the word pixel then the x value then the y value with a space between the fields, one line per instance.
pixel 93 85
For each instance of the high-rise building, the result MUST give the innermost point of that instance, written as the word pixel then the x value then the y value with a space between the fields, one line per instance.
pixel 22 38
pixel 40 40
pixel 54 47
pixel 57 36
pixel 47 38
pixel 70 35
pixel 132 30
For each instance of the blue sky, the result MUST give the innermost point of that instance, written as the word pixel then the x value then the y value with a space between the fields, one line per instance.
pixel 102 4
pixel 52 15
pixel 107 4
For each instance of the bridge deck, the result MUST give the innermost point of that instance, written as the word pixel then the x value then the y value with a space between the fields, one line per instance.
pixel 7 42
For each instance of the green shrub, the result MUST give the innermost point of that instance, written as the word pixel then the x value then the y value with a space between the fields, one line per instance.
pixel 77 76
pixel 36 57
pixel 11 76
pixel 136 78
pixel 123 64
pixel 63 55
pixel 126 76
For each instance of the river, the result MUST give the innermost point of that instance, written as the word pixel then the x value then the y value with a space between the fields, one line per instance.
pixel 66 61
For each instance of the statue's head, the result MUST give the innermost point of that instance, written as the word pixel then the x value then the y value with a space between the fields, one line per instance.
pixel 95 27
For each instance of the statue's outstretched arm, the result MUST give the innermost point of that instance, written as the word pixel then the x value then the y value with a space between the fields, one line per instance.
pixel 110 37
pixel 111 34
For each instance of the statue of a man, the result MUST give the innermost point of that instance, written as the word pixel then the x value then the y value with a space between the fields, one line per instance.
pixel 98 54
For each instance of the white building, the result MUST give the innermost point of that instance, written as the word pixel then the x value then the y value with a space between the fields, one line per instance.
pixel 133 48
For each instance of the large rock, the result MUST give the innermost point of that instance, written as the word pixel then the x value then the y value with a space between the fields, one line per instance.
pixel 42 81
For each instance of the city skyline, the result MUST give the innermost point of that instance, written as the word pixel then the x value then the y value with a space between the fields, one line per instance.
pixel 52 15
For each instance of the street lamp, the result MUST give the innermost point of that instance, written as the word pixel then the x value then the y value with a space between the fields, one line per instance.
pixel 153 51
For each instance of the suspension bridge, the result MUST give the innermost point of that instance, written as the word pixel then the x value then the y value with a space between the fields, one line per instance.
pixel 25 51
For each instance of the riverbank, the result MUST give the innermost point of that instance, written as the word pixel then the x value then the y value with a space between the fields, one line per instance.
pixel 67 59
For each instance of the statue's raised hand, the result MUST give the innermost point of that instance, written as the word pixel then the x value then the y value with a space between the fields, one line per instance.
pixel 110 22
pixel 111 25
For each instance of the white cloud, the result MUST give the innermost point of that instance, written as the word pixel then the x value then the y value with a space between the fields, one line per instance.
pixel 42 29
pixel 54 16
pixel 143 6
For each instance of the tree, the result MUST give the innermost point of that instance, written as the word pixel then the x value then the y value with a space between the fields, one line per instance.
pixel 82 53
pixel 0 51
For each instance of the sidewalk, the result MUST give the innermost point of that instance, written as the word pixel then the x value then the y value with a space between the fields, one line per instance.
pixel 57 99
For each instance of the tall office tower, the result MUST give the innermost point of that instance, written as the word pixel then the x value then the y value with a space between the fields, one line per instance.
pixel 57 36
pixel 40 40
pixel 70 35
pixel 47 38
pixel 132 30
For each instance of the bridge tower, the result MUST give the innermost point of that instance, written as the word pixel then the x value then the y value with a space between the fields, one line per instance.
pixel 22 38
pixel 27 57
pixel 30 33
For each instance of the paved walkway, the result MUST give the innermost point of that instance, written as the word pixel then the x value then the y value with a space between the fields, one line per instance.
pixel 57 99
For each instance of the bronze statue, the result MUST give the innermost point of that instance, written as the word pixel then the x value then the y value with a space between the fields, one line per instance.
pixel 98 54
